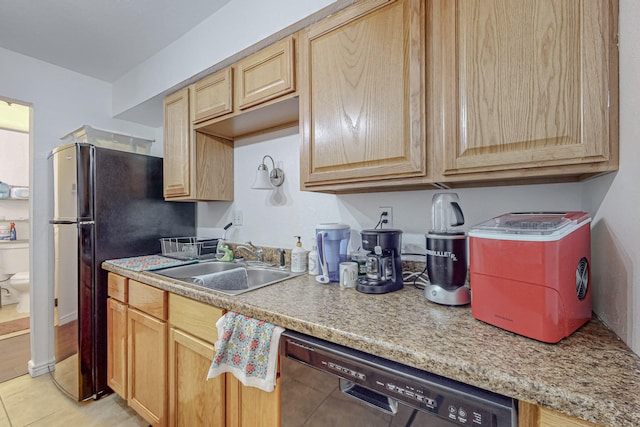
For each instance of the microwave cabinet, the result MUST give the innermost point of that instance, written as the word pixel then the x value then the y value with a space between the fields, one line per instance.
pixel 255 94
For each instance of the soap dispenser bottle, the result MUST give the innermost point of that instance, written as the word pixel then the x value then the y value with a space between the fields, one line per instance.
pixel 298 258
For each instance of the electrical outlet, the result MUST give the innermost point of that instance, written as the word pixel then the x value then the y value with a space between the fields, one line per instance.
pixel 388 217
pixel 237 217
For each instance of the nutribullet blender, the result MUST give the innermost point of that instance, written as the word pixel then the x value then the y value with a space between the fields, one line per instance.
pixel 447 252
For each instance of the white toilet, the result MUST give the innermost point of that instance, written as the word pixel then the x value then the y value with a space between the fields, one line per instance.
pixel 14 264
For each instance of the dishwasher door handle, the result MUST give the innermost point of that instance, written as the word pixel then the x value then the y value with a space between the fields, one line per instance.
pixel 369 397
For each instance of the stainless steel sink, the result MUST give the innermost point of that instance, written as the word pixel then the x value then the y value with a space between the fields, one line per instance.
pixel 258 277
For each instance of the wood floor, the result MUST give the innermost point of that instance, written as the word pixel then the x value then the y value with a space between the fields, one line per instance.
pixel 15 356
pixel 14 345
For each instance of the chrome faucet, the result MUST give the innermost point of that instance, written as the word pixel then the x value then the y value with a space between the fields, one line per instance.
pixel 256 252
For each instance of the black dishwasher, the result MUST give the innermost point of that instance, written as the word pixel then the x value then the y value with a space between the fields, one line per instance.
pixel 325 384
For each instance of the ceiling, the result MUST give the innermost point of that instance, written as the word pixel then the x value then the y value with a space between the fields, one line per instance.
pixel 99 38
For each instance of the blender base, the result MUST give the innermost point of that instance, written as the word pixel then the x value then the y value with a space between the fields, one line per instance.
pixel 439 295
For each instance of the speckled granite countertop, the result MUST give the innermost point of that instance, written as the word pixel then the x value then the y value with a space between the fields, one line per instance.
pixel 590 375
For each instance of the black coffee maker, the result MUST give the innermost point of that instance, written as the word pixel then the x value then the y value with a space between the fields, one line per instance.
pixel 384 265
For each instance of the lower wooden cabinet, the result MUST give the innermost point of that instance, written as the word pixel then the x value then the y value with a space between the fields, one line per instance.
pixel 117 346
pixel 160 348
pixel 531 415
pixel 147 391
pixel 118 292
pixel 250 406
pixel 193 400
pixel 220 401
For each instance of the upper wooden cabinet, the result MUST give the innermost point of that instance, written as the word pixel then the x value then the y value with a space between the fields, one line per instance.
pixel 255 94
pixel 461 93
pixel 362 95
pixel 525 86
pixel 266 74
pixel 177 145
pixel 213 95
pixel 197 167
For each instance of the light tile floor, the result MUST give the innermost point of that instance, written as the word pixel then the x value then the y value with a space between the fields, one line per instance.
pixel 36 402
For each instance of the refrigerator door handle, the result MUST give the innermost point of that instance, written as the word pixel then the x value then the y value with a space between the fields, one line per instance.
pixel 63 222
pixel 60 221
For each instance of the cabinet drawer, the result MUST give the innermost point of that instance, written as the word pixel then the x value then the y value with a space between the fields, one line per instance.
pixel 194 317
pixel 117 287
pixel 266 74
pixel 212 96
pixel 148 299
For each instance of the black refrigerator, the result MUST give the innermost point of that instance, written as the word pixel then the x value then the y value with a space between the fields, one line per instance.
pixel 107 204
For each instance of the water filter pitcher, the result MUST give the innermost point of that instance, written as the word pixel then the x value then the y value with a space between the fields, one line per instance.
pixel 333 240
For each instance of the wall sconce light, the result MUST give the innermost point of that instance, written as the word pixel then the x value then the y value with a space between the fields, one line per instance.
pixel 266 180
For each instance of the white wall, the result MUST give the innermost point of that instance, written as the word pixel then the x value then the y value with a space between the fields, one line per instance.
pixel 616 200
pixel 62 101
pixel 235 27
pixel 272 218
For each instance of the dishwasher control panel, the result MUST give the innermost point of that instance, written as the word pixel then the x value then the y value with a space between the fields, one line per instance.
pixel 384 384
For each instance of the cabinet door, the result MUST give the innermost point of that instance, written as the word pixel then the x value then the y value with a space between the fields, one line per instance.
pixel 525 84
pixel 213 96
pixel 177 145
pixel 361 94
pixel 266 74
pixel 213 167
pixel 250 406
pixel 117 346
pixel 193 400
pixel 531 415
pixel 147 362
pixel 197 167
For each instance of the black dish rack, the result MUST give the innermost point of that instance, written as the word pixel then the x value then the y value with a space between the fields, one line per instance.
pixel 188 248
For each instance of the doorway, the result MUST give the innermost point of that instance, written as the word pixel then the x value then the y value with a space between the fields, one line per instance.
pixel 15 136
